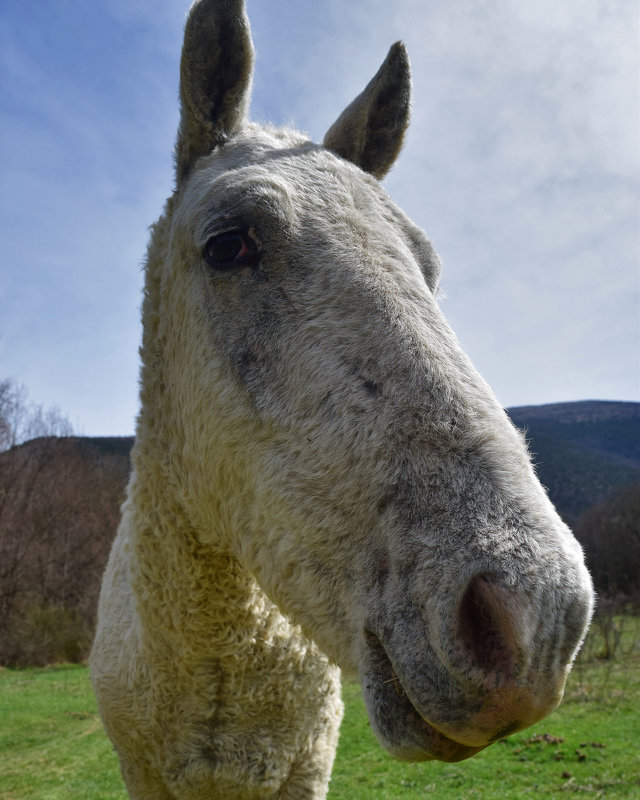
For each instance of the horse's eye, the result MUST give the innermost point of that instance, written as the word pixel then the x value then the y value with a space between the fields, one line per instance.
pixel 231 250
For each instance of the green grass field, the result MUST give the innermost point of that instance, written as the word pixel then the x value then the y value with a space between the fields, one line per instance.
pixel 52 746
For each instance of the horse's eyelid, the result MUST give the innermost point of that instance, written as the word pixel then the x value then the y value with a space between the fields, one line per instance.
pixel 212 233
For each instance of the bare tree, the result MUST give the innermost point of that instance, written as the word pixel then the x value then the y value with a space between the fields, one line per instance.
pixel 20 419
pixel 610 534
pixel 12 404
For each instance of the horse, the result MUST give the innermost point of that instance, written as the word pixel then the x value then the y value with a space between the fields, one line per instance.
pixel 322 484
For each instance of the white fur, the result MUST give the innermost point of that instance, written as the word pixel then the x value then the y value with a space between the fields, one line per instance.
pixel 320 478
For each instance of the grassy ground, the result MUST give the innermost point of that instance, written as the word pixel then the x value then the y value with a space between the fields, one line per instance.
pixel 52 746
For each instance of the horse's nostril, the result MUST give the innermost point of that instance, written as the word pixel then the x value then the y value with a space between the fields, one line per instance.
pixel 484 628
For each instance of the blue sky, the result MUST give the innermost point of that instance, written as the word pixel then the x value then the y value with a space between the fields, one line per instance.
pixel 521 164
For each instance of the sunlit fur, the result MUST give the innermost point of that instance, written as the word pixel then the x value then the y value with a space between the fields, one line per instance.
pixel 321 479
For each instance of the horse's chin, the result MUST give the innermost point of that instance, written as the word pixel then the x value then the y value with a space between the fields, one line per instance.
pixel 396 722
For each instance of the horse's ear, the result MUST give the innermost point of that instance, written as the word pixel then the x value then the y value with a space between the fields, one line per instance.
pixel 215 79
pixel 370 131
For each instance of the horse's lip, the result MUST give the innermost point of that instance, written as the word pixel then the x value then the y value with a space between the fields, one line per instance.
pixel 401 728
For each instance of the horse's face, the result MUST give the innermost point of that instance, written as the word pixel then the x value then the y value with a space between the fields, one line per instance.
pixel 336 438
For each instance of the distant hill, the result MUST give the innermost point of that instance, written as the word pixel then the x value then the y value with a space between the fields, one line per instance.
pixel 585 452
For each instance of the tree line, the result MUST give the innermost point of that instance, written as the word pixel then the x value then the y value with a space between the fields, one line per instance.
pixel 59 511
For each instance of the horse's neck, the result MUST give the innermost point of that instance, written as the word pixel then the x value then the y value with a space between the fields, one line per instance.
pixel 187 591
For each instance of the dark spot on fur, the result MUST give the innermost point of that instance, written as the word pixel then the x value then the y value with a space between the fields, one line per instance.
pixel 381 570
pixel 385 501
pixel 371 386
pixel 246 362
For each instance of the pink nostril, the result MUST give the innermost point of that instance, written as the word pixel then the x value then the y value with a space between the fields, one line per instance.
pixel 486 629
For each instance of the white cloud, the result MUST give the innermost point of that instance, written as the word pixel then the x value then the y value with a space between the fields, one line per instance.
pixel 529 136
